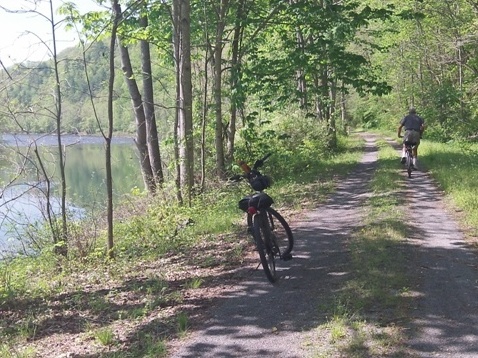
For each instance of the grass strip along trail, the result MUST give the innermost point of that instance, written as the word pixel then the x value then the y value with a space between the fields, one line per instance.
pixel 366 316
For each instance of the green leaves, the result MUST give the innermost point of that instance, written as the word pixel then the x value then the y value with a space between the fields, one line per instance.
pixel 308 41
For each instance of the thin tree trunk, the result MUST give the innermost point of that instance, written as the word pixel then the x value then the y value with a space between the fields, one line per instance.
pixel 220 163
pixel 237 95
pixel 177 142
pixel 61 249
pixel 300 74
pixel 204 114
pixel 186 117
pixel 343 110
pixel 137 104
pixel 109 136
pixel 148 103
pixel 182 51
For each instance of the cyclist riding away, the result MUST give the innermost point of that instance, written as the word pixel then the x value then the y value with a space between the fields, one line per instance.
pixel 414 127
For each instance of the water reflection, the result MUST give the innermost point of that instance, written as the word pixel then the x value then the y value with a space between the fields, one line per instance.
pixel 25 205
pixel 22 184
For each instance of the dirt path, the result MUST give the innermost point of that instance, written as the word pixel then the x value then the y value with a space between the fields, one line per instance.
pixel 446 316
pixel 257 319
pixel 261 320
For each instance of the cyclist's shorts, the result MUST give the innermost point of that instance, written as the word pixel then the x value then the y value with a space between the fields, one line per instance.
pixel 412 136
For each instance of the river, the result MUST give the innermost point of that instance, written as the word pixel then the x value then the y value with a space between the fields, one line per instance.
pixel 22 185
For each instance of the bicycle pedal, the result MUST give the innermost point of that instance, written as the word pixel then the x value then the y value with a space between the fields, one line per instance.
pixel 287 257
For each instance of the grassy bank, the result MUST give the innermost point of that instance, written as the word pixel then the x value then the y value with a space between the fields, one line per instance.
pixel 170 261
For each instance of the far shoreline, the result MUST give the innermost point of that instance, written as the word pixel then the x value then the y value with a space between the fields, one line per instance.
pixel 49 139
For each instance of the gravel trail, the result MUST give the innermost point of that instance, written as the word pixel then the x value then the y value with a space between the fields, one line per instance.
pixel 262 320
pixel 445 322
pixel 257 319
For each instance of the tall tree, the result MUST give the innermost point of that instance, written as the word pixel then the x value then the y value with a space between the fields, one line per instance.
pixel 317 58
pixel 432 65
pixel 109 178
pixel 62 249
pixel 182 50
pixel 148 101
pixel 221 11
pixel 236 90
pixel 138 109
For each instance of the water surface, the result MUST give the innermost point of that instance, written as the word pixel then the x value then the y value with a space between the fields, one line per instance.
pixel 23 185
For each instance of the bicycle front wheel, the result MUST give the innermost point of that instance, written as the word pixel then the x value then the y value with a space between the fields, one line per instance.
pixel 281 234
pixel 262 238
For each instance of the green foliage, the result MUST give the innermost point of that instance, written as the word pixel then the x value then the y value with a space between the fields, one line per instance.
pixel 195 283
pixel 26 275
pixel 7 351
pixel 273 70
pixel 428 67
pixel 155 348
pixel 298 144
pixel 105 336
pixel 28 327
pixel 30 103
pixel 183 323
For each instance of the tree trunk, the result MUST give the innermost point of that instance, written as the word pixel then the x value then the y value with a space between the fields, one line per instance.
pixel 108 137
pixel 237 95
pixel 220 162
pixel 63 248
pixel 148 103
pixel 182 11
pixel 300 73
pixel 137 104
pixel 204 116
pixel 177 144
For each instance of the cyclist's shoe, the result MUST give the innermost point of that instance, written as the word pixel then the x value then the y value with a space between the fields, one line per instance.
pixel 414 167
pixel 287 257
pixel 403 160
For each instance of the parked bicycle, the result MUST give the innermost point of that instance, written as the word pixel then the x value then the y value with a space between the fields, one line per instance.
pixel 271 232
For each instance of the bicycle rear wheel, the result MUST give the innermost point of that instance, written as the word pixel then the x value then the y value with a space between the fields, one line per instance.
pixel 262 238
pixel 409 164
pixel 281 234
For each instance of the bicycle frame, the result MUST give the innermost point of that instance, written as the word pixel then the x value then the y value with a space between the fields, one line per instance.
pixel 272 234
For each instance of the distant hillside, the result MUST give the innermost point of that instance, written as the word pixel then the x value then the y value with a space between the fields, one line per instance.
pixel 28 101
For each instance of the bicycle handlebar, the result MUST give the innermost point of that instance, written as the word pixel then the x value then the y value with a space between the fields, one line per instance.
pixel 257 181
pixel 260 162
pixel 247 169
